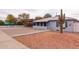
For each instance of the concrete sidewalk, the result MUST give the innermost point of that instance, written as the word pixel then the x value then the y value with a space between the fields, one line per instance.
pixel 8 42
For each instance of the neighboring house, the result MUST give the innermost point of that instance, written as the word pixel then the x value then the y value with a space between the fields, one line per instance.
pixel 70 25
pixel 28 23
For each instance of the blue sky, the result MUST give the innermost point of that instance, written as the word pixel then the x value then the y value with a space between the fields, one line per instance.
pixel 38 12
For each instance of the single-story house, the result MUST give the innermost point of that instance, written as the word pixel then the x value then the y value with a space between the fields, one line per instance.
pixel 70 25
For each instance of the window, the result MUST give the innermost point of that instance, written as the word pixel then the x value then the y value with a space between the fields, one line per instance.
pixel 44 23
pixel 41 24
pixel 57 24
pixel 66 24
pixel 34 24
pixel 37 23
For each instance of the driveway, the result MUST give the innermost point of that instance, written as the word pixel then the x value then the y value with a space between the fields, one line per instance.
pixel 8 42
pixel 18 31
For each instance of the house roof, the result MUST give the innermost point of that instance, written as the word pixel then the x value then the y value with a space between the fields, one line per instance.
pixel 55 19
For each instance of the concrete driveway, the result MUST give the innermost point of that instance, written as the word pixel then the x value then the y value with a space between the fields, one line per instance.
pixel 18 31
pixel 7 34
pixel 8 42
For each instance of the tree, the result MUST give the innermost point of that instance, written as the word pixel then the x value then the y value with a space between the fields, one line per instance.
pixel 38 17
pixel 61 21
pixel 23 19
pixel 21 22
pixel 1 22
pixel 47 15
pixel 10 19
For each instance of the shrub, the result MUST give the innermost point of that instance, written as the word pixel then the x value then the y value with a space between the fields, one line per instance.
pixel 1 22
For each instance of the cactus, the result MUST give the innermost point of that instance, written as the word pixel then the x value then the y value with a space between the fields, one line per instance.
pixel 61 21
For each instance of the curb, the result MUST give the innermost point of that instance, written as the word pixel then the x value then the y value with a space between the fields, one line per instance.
pixel 30 33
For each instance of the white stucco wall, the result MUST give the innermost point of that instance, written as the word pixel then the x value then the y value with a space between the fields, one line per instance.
pixel 76 27
pixel 70 26
pixel 40 27
pixel 52 25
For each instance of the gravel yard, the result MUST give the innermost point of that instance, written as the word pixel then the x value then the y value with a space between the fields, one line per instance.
pixel 50 40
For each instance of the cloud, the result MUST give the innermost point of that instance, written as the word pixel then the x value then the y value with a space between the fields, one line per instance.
pixel 38 12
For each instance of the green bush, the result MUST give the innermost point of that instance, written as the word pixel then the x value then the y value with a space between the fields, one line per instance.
pixel 1 22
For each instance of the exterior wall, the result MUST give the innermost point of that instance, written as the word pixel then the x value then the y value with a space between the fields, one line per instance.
pixel 40 27
pixel 52 25
pixel 69 28
pixel 76 27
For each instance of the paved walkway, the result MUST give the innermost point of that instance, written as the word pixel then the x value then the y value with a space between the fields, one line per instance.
pixel 8 42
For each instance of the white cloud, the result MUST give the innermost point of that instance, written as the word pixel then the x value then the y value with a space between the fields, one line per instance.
pixel 38 12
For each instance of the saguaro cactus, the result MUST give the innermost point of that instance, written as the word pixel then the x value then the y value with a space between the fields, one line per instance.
pixel 61 20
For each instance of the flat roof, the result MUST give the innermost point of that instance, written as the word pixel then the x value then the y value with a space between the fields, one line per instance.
pixel 55 19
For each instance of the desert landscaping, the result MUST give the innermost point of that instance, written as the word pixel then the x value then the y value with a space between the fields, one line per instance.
pixel 40 39
pixel 50 40
pixel 46 32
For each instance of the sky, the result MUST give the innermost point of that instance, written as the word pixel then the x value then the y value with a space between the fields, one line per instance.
pixel 38 12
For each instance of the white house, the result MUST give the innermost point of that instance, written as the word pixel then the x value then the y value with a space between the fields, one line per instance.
pixel 70 25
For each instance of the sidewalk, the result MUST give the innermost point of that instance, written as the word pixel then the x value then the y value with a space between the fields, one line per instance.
pixel 6 42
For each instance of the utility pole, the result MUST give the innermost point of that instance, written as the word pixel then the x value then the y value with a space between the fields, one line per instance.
pixel 61 20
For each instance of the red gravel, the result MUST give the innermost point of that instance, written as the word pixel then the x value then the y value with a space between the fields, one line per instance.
pixel 50 40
